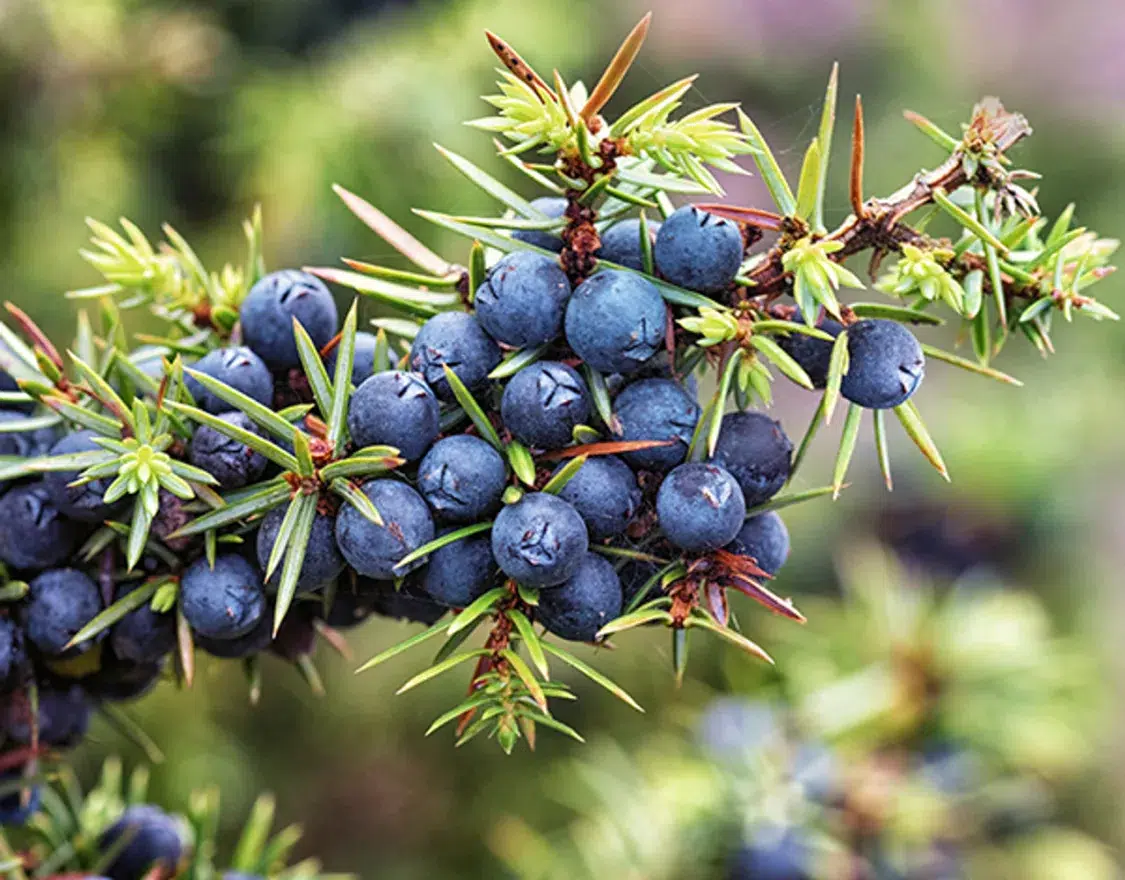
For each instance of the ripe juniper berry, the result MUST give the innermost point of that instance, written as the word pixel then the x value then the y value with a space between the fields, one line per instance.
pixel 363 362
pixel 408 602
pixel 588 600
pixel 656 409
pixel 269 309
pixel 83 503
pixel 35 534
pixel 237 367
pixel 455 339
pixel 322 563
pixel 153 839
pixel 540 540
pixel 757 452
pixel 462 478
pixel 62 720
pixel 26 444
pixel 223 602
pixel 8 384
pixel 459 572
pixel 811 353
pixel 542 404
pixel 885 364
pixel 615 321
pixel 621 243
pixel 765 538
pixel 523 300
pixel 374 550
pixel 60 602
pixel 230 462
pixel 397 409
pixel 552 207
pixel 143 635
pixel 254 642
pixel 700 507
pixel 698 250
pixel 605 493
pixel 118 680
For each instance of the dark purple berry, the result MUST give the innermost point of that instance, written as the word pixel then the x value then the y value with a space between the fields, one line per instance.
pixel 700 507
pixel 154 839
pixel 237 367
pixel 59 604
pixel 605 492
pixel 656 409
pixel 462 478
pixel 35 535
pixel 615 321
pixel 459 572
pixel 230 462
pixel 552 207
pixel 395 409
pixel 814 355
pixel 456 340
pixel 83 503
pixel 588 600
pixel 523 300
pixel 269 309
pixel 224 602
pixel 374 550
pixel 543 403
pixel 697 250
pixel 757 452
pixel 540 540
pixel 885 364
pixel 143 635
pixel 621 243
pixel 765 539
pixel 322 563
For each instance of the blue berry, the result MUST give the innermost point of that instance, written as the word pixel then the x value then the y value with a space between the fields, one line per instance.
pixel 885 364
pixel 63 719
pixel 224 602
pixel 773 854
pixel 17 807
pixel 698 250
pixel 374 550
pixel 605 493
pixel 83 503
pixel 269 309
pixel 153 839
pixel 254 642
pixel 230 462
pixel 457 340
pixel 322 563
pixel 814 355
pixel 540 540
pixel 408 602
pixel 143 635
pixel 621 243
pixel 13 655
pixel 462 478
pixel 118 681
pixel 552 207
pixel 523 300
pixel 615 321
pixel 60 603
pixel 363 362
pixel 35 534
pixel 349 607
pixel 237 367
pixel 765 538
pixel 543 403
pixel 656 409
pixel 397 409
pixel 755 449
pixel 588 600
pixel 459 572
pixel 700 507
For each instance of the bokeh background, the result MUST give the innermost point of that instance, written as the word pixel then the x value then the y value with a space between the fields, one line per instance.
pixel 191 112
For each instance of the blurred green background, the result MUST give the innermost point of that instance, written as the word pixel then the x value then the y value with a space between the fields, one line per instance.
pixel 190 112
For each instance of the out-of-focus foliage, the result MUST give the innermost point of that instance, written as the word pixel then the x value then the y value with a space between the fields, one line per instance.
pixel 193 112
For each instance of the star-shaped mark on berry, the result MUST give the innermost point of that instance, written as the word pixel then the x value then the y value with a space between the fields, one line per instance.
pixel 557 389
pixel 539 545
pixel 640 347
pixel 442 488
